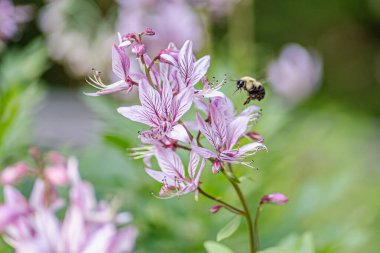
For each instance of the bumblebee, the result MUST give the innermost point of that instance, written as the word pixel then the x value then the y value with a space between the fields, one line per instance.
pixel 254 88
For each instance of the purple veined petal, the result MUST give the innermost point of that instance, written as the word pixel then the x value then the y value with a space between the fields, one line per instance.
pixel 166 96
pixel 151 100
pixel 100 240
pixel 124 240
pixel 186 62
pixel 111 88
pixel 136 113
pixel 250 110
pixel 218 124
pixel 207 131
pixel 170 163
pixel 198 177
pixel 236 129
pixel 252 147
pixel 73 230
pixel 212 94
pixel 160 176
pixel 179 133
pixel 193 164
pixel 201 105
pixel 182 103
pixel 200 69
pixel 203 152
pixel 168 59
pixel 120 63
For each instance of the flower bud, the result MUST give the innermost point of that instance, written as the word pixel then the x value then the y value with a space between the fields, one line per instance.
pixel 138 49
pixel 11 174
pixel 255 136
pixel 274 198
pixel 57 175
pixel 149 31
pixel 215 209
pixel 215 166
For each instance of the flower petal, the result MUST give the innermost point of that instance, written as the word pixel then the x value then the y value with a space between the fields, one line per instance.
pixel 120 62
pixel 186 62
pixel 136 113
pixel 182 103
pixel 150 99
pixel 236 129
pixel 170 163
pixel 200 69
pixel 179 133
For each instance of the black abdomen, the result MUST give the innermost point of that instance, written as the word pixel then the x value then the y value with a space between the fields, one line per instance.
pixel 257 92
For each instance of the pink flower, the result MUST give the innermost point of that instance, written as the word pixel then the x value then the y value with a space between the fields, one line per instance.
pixel 191 71
pixel 12 174
pixel 172 175
pixel 120 66
pixel 296 74
pixel 223 132
pixel 88 225
pixel 138 49
pixel 274 198
pixel 161 110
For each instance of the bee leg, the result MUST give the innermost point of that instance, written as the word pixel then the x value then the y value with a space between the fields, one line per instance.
pixel 247 101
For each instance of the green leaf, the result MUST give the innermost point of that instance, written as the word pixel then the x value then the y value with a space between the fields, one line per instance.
pixel 294 244
pixel 215 247
pixel 229 229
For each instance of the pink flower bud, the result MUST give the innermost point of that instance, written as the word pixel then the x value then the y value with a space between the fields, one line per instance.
pixel 149 31
pixel 274 198
pixel 55 158
pixel 11 174
pixel 34 152
pixel 138 49
pixel 215 166
pixel 215 209
pixel 57 175
pixel 255 136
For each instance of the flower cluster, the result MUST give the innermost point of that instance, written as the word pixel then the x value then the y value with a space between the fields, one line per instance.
pixel 170 84
pixel 11 18
pixel 32 225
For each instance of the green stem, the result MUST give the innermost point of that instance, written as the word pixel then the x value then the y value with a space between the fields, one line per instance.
pixel 256 226
pixel 224 204
pixel 247 214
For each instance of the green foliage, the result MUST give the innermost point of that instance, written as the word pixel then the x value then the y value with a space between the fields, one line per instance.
pixel 215 247
pixel 229 228
pixel 19 95
pixel 294 244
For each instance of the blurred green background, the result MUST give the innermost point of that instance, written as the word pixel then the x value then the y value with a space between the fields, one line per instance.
pixel 323 150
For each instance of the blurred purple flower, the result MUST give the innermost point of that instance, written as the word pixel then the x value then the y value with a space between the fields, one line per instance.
pixel 11 18
pixel 172 175
pixel 174 21
pixel 12 174
pixel 32 226
pixel 274 198
pixel 218 9
pixel 296 74
pixel 76 42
